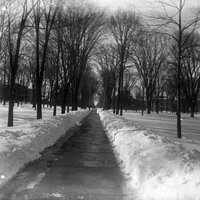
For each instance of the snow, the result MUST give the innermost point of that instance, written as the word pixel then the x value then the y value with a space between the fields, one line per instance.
pixel 156 167
pixel 24 142
pixel 165 124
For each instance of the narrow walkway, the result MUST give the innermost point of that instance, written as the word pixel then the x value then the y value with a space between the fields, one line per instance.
pixel 85 168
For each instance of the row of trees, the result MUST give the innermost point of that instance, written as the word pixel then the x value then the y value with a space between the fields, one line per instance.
pixel 49 44
pixel 163 55
pixel 61 46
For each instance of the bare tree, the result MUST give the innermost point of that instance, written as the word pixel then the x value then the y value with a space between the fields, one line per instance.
pixel 130 80
pixel 159 92
pixel 190 73
pixel 108 62
pixel 44 17
pixel 16 26
pixel 51 75
pixel 169 20
pixel 58 37
pixel 149 58
pixel 123 27
pixel 86 31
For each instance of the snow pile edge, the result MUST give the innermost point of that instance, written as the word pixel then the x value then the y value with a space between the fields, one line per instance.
pixel 22 144
pixel 156 167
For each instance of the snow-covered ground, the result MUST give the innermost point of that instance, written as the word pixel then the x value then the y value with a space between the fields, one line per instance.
pixel 157 168
pixel 164 124
pixel 24 113
pixel 24 142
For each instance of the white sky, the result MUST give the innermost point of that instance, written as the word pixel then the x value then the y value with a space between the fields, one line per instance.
pixel 116 4
pixel 140 4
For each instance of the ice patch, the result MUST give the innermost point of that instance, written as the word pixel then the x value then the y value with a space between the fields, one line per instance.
pixel 36 181
pixel 57 195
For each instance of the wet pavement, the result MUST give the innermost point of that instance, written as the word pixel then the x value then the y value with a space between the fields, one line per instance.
pixel 81 167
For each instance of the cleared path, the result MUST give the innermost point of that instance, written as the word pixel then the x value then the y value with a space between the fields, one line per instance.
pixel 82 167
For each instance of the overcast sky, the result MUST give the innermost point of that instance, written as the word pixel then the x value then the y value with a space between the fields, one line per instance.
pixel 115 4
pixel 139 4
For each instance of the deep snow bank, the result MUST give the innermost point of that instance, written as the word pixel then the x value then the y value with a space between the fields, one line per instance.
pixel 22 144
pixel 157 168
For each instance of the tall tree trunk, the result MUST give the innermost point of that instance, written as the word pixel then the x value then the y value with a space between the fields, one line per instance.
pixel 75 100
pixel 148 102
pixel 192 111
pixel 142 100
pixel 104 97
pixel 57 66
pixel 178 112
pixel 56 85
pixel 157 105
pixel 167 103
pixel 119 94
pixel 192 106
pixel 148 107
pixel 64 99
pixel 114 99
pixel 51 97
pixel 55 97
pixel 11 101
pixel 63 105
pixel 34 97
pixel 75 92
pixel 39 99
pixel 105 102
pixel 68 105
pixel 4 85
